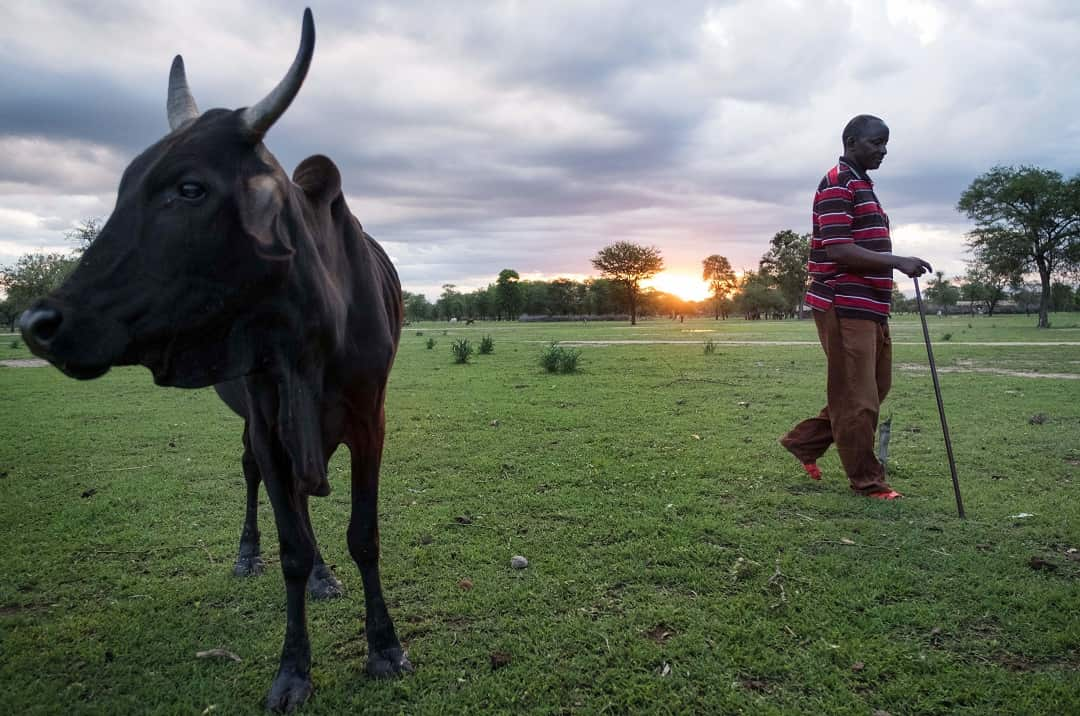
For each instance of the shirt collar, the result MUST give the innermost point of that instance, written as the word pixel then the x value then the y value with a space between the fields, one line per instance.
pixel 856 171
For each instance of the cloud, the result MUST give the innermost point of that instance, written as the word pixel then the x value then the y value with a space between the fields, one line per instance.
pixel 475 137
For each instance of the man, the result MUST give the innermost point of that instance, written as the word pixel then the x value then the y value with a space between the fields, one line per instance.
pixel 851 267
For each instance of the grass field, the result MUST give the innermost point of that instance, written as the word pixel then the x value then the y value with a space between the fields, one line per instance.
pixel 679 562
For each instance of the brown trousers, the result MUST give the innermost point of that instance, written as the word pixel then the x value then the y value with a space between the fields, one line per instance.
pixel 859 358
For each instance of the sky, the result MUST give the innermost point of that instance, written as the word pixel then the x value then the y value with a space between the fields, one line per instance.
pixel 478 136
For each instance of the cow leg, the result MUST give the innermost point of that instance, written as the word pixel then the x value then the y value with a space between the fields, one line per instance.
pixel 321 583
pixel 249 560
pixel 386 658
pixel 292 684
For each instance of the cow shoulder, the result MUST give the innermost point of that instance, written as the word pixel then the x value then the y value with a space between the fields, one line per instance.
pixel 319 178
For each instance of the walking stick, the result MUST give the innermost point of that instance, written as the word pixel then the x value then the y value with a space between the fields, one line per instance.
pixel 940 406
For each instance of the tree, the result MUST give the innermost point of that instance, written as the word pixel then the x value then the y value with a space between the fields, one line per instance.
pixel 1026 219
pixel 508 294
pixel 758 296
pixel 628 265
pixel 1062 296
pixel 417 307
pixel 8 314
pixel 562 297
pixel 785 263
pixel 32 276
pixel 900 302
pixel 984 285
pixel 449 304
pixel 84 234
pixel 1025 295
pixel 722 282
pixel 535 298
pixel 940 291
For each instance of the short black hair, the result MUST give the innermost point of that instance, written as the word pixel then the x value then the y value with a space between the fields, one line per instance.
pixel 856 128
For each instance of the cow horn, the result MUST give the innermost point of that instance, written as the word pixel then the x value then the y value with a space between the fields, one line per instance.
pixel 259 118
pixel 180 104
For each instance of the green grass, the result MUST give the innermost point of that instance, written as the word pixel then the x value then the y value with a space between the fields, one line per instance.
pixel 666 533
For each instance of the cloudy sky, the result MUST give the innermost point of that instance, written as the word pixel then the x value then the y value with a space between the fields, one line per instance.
pixel 479 136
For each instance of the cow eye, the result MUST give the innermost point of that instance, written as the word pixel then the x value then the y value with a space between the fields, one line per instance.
pixel 191 190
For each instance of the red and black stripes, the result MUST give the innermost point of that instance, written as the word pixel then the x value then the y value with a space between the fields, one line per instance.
pixel 847 211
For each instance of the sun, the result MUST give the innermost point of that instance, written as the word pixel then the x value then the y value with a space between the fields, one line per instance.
pixel 686 286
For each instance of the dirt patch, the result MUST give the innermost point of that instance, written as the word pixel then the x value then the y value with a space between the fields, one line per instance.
pixel 24 363
pixel 660 633
pixel 992 371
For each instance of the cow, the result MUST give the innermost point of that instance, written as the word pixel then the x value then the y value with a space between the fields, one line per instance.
pixel 216 269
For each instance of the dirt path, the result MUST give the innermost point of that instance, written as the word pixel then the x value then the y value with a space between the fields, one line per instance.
pixel 994 371
pixel 24 363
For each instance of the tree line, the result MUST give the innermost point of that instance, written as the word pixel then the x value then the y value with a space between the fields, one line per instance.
pixel 1027 223
pixel 774 289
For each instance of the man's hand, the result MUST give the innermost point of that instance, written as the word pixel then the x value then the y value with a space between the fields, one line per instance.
pixel 913 266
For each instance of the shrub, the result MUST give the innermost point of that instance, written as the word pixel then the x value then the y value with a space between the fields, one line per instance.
pixel 462 350
pixel 430 343
pixel 486 345
pixel 15 343
pixel 710 346
pixel 947 337
pixel 556 359
pixel 419 333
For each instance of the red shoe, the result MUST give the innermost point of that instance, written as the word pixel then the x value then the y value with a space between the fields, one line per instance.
pixel 812 470
pixel 885 495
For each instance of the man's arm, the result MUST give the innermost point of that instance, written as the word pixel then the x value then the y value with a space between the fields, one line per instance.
pixel 862 259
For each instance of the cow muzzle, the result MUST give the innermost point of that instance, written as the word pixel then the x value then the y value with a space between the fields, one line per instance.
pixel 81 345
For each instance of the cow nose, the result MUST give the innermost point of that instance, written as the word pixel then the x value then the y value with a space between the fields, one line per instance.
pixel 39 325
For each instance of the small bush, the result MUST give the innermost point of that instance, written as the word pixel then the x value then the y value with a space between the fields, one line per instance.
pixel 419 333
pixel 486 345
pixel 430 343
pixel 15 343
pixel 947 337
pixel 556 359
pixel 462 350
pixel 710 347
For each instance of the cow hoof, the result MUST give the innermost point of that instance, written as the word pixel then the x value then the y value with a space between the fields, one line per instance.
pixel 322 584
pixel 250 566
pixel 289 692
pixel 388 663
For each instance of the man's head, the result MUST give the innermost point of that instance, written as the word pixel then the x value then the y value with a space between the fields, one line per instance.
pixel 865 137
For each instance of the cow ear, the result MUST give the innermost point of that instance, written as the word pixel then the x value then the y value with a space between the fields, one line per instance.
pixel 261 206
pixel 320 179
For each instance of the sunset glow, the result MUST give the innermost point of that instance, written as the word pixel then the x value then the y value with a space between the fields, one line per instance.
pixel 686 286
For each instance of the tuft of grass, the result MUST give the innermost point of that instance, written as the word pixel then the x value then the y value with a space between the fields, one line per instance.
pixel 710 346
pixel 557 359
pixel 487 345
pixel 462 350
pixel 419 333
pixel 947 337
pixel 430 343
pixel 14 345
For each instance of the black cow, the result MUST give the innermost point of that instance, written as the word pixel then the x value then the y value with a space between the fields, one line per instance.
pixel 216 269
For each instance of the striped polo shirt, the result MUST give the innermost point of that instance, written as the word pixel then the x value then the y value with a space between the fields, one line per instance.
pixel 847 211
